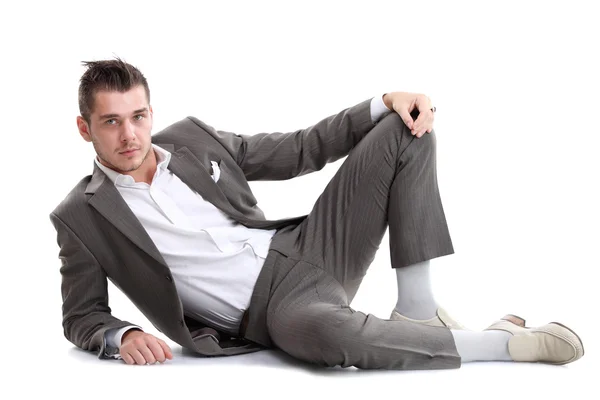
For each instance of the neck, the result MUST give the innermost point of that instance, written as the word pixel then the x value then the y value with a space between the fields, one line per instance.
pixel 146 171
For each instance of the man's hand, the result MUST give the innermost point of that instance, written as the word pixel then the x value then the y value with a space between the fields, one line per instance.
pixel 404 103
pixel 138 347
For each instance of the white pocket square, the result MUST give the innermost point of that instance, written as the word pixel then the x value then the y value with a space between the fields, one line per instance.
pixel 216 171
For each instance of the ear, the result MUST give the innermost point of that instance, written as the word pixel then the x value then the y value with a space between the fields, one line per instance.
pixel 84 129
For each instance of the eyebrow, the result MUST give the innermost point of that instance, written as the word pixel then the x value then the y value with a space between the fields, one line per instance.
pixel 105 116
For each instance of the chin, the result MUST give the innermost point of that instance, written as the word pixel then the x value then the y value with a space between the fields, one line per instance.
pixel 132 167
pixel 127 167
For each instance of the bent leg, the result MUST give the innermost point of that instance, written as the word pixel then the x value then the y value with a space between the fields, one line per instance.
pixel 309 320
pixel 388 180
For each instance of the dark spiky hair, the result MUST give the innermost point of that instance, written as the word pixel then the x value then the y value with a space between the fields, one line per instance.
pixel 107 75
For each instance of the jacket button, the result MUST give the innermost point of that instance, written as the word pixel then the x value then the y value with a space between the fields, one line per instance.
pixel 181 322
pixel 169 278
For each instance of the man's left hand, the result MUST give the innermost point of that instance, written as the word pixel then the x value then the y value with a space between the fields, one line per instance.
pixel 404 103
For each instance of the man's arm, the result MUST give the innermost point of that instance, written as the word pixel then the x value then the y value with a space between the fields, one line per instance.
pixel 280 156
pixel 87 319
pixel 86 314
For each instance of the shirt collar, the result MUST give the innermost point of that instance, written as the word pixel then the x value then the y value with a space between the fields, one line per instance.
pixel 162 158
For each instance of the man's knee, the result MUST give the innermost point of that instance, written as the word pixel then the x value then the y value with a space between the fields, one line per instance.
pixel 393 123
pixel 401 137
pixel 309 332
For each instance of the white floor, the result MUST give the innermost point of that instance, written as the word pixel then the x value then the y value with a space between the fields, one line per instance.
pixel 73 374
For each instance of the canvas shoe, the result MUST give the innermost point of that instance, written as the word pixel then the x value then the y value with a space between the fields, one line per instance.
pixel 553 343
pixel 442 319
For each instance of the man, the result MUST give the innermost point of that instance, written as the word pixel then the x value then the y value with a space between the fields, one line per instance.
pixel 170 219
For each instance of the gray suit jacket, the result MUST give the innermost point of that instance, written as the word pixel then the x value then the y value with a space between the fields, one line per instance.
pixel 100 238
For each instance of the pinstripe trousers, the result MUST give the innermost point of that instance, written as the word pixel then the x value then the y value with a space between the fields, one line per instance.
pixel 388 180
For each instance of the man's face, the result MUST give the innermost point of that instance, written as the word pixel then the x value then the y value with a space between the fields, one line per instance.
pixel 120 129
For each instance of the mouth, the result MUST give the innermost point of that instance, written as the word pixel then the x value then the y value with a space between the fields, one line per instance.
pixel 128 152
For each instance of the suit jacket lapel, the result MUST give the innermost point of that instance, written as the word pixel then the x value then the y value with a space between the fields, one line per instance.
pixel 198 177
pixel 108 201
pixel 196 173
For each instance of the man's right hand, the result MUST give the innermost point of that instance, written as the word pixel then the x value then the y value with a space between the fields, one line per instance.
pixel 141 348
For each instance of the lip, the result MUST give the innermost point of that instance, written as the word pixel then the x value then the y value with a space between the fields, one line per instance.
pixel 129 152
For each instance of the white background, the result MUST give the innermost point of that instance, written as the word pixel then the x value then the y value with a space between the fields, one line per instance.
pixel 516 87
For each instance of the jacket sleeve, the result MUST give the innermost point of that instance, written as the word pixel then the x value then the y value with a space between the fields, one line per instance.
pixel 85 310
pixel 280 156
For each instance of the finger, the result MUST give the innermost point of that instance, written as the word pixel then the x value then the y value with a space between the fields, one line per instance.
pixel 405 115
pixel 157 351
pixel 167 349
pixel 127 358
pixel 425 128
pixel 421 104
pixel 137 357
pixel 425 124
pixel 429 127
pixel 147 354
pixel 420 123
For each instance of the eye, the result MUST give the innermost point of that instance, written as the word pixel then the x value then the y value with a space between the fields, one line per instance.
pixel 110 121
pixel 140 117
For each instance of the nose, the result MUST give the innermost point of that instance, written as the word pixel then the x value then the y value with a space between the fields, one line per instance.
pixel 127 132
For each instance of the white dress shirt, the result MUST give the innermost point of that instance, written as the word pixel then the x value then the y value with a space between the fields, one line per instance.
pixel 214 260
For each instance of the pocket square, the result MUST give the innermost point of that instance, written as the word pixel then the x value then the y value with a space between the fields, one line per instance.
pixel 216 171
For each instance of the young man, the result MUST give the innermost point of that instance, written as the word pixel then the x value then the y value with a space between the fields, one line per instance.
pixel 170 219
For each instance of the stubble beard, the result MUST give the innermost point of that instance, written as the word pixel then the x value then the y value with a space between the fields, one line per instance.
pixel 102 157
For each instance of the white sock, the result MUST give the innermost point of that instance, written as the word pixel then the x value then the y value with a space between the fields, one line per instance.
pixel 415 296
pixel 482 346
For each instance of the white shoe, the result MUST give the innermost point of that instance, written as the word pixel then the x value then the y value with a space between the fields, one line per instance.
pixel 552 343
pixel 442 319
